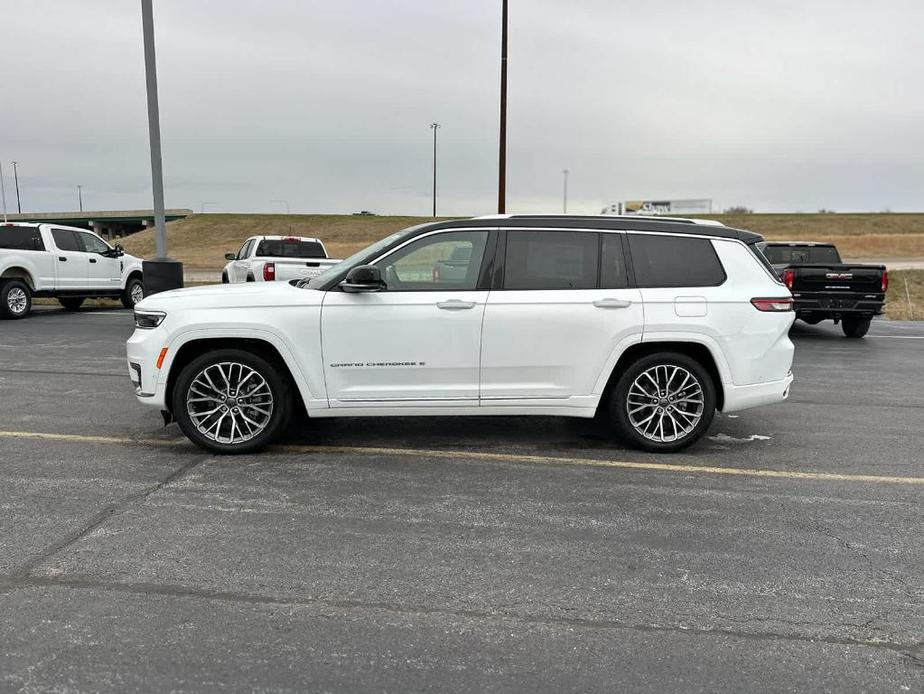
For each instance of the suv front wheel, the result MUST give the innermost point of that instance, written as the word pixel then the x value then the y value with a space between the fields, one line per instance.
pixel 663 402
pixel 231 401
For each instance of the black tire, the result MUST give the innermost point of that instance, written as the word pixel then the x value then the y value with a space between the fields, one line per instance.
pixel 855 327
pixel 224 278
pixel 250 278
pixel 275 381
pixel 686 412
pixel 15 299
pixel 71 303
pixel 129 294
pixel 811 320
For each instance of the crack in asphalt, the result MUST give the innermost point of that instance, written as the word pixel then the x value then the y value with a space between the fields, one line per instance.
pixel 105 514
pixel 913 650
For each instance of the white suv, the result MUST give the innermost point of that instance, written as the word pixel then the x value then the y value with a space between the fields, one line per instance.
pixel 650 324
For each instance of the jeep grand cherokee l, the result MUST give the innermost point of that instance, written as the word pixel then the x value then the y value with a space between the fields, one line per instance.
pixel 650 324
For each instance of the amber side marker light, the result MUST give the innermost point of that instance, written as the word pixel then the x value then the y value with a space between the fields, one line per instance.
pixel 160 359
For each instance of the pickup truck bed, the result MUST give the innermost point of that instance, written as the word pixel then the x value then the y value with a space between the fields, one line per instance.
pixel 277 258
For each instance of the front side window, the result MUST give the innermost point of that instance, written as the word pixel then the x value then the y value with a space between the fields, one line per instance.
pixel 66 240
pixel 449 261
pixel 551 260
pixel 93 244
pixel 674 261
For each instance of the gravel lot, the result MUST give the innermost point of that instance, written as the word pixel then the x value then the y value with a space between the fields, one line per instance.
pixel 783 553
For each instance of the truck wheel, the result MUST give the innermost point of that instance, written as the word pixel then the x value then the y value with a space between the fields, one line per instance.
pixel 855 327
pixel 224 278
pixel 663 402
pixel 231 401
pixel 15 299
pixel 71 303
pixel 133 292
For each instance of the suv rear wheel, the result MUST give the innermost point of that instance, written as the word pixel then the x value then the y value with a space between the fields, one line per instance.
pixel 855 327
pixel 663 402
pixel 231 401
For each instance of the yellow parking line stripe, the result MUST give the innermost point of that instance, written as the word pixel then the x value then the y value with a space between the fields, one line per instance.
pixel 500 457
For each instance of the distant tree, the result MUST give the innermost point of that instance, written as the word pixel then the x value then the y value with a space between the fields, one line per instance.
pixel 739 209
pixel 824 211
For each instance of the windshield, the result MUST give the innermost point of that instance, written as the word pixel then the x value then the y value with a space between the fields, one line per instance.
pixel 290 248
pixel 787 255
pixel 359 258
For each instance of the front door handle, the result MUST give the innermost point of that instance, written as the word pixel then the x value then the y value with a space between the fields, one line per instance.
pixel 612 303
pixel 455 304
pixel 92 260
pixel 62 258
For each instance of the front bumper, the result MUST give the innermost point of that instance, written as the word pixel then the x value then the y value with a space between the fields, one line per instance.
pixel 744 397
pixel 142 351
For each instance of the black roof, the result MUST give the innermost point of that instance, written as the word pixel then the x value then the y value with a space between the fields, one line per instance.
pixel 673 226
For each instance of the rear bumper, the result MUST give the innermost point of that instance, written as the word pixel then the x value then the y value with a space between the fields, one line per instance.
pixel 833 304
pixel 744 397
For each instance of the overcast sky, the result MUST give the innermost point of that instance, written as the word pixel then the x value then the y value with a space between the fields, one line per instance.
pixel 779 106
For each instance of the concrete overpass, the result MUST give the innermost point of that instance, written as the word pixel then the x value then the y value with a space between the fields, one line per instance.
pixel 108 223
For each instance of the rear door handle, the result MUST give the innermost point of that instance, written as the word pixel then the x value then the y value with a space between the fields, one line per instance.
pixel 612 303
pixel 92 260
pixel 62 258
pixel 455 304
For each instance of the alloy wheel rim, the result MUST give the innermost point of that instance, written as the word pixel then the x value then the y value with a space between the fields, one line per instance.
pixel 137 293
pixel 665 403
pixel 229 402
pixel 16 300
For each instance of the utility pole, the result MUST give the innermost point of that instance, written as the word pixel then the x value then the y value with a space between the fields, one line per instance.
pixel 162 273
pixel 80 197
pixel 502 173
pixel 16 181
pixel 3 192
pixel 284 202
pixel 564 205
pixel 434 127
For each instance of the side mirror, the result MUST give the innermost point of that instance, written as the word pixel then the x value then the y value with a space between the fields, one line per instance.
pixel 119 251
pixel 230 256
pixel 363 278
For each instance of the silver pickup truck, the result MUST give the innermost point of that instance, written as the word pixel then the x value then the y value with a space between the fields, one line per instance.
pixel 272 258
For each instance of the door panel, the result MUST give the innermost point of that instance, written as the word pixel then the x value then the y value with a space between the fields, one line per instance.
pixel 71 266
pixel 553 343
pixel 102 272
pixel 392 346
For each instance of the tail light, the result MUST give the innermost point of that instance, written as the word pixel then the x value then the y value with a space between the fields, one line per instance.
pixel 885 281
pixel 788 277
pixel 773 305
pixel 269 272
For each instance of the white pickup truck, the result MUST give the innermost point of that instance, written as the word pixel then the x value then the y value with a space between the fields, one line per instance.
pixel 66 263
pixel 271 258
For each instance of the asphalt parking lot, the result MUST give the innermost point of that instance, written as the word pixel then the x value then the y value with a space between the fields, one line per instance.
pixel 784 552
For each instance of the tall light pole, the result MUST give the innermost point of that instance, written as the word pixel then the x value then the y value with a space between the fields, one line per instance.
pixel 16 181
pixel 502 163
pixel 434 127
pixel 564 204
pixel 80 197
pixel 284 202
pixel 162 273
pixel 3 192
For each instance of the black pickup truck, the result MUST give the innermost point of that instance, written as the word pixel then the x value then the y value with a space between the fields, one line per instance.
pixel 824 287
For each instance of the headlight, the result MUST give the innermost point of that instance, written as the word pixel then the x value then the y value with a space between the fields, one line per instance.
pixel 149 319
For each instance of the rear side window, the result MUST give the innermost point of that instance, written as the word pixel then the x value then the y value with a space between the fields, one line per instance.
pixel 21 238
pixel 674 261
pixel 290 248
pixel 613 274
pixel 551 260
pixel 67 240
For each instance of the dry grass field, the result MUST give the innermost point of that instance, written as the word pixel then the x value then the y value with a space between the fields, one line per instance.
pixel 905 299
pixel 201 240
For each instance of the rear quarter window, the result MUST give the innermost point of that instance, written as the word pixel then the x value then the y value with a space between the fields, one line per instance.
pixel 21 239
pixel 674 261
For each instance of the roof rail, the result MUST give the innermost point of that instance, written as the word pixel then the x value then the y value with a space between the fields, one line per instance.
pixel 654 218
